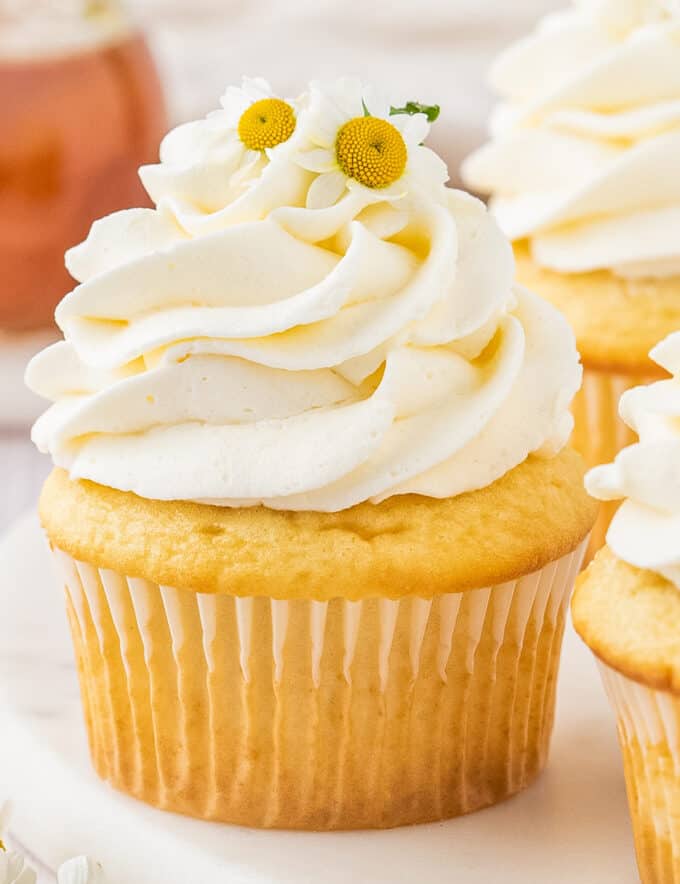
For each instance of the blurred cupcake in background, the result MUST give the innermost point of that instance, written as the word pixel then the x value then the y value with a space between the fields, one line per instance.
pixel 627 609
pixel 80 109
pixel 584 172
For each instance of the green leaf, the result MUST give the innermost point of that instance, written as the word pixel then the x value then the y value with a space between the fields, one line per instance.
pixel 367 112
pixel 411 108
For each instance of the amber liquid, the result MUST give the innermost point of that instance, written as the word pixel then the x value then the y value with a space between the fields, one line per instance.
pixel 73 132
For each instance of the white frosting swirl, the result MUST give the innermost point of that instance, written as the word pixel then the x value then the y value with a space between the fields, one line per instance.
pixel 585 155
pixel 646 529
pixel 237 347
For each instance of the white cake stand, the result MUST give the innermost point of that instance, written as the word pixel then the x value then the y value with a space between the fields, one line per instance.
pixel 572 826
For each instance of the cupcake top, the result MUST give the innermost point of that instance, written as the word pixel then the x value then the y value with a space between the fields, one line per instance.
pixel 309 319
pixel 646 528
pixel 584 160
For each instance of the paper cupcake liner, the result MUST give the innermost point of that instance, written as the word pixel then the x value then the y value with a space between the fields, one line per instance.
pixel 317 715
pixel 649 734
pixel 599 432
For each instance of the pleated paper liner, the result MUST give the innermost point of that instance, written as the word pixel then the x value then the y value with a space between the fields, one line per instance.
pixel 649 734
pixel 599 432
pixel 318 715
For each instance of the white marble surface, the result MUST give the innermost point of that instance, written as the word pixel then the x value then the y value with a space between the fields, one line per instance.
pixel 571 826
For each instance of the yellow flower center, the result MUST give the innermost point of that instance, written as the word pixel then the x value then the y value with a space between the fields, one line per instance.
pixel 266 123
pixel 372 151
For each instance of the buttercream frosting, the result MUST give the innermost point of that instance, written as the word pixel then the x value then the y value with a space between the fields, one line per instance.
pixel 584 159
pixel 646 528
pixel 257 339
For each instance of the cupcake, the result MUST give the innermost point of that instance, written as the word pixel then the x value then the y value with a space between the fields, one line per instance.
pixel 584 172
pixel 312 507
pixel 627 609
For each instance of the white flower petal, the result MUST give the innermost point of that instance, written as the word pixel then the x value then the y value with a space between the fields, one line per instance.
pixel 324 134
pixel 326 190
pixel 395 191
pixel 256 88
pixel 235 103
pixel 236 100
pixel 319 224
pixel 347 94
pixel 427 168
pixel 399 121
pixel 376 101
pixel 318 160
pixel 81 870
pixel 250 159
pixel 323 119
pixel 415 129
pixel 278 149
pixel 13 869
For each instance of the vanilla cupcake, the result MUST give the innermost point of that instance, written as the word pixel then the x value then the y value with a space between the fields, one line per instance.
pixel 312 507
pixel 627 609
pixel 584 172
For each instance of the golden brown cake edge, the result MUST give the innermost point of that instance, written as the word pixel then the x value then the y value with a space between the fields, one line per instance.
pixel 407 545
pixel 616 321
pixel 630 618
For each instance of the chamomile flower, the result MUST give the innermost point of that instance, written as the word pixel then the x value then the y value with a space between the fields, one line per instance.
pixel 210 164
pixel 358 142
pixel 257 119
